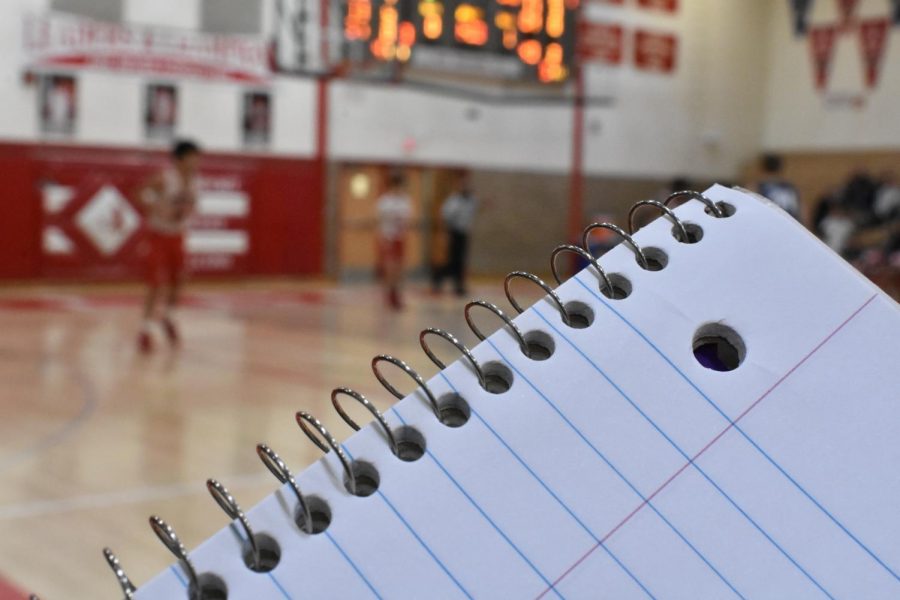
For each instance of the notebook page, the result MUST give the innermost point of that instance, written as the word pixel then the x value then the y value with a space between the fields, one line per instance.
pixel 613 469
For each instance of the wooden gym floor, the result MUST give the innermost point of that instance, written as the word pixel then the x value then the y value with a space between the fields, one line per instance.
pixel 94 437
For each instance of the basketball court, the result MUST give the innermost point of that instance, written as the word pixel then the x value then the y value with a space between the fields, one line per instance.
pixel 104 436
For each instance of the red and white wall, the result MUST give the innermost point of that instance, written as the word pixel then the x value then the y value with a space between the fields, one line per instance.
pixel 845 113
pixel 71 213
pixel 68 205
pixel 697 88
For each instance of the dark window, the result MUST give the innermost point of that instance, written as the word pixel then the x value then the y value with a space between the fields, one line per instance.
pixel 101 10
pixel 231 16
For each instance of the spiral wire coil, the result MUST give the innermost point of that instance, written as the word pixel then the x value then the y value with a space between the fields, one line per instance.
pixel 325 441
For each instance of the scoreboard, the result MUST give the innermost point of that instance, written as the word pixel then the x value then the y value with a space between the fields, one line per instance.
pixel 516 40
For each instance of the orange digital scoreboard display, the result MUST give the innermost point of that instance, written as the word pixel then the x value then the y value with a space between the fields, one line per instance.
pixel 522 39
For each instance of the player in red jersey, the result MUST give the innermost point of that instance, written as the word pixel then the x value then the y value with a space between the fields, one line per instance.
pixel 168 199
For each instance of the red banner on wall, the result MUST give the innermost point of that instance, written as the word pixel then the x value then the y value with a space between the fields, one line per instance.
pixel 821 43
pixel 601 42
pixel 655 51
pixel 664 5
pixel 872 38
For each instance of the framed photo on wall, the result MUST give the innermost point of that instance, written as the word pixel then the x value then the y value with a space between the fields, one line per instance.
pixel 257 119
pixel 58 104
pixel 160 111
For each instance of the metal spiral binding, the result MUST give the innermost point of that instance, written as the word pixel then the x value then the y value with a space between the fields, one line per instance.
pixel 629 241
pixel 409 371
pixel 517 333
pixel 231 508
pixel 312 426
pixel 112 560
pixel 305 421
pixel 392 441
pixel 459 346
pixel 281 472
pixel 711 207
pixel 170 540
pixel 607 282
pixel 540 283
pixel 667 212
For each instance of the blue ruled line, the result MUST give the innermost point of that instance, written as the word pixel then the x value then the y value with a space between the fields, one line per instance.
pixel 416 535
pixel 679 450
pixel 591 533
pixel 352 564
pixel 552 493
pixel 485 515
pixel 752 442
pixel 179 577
pixel 279 586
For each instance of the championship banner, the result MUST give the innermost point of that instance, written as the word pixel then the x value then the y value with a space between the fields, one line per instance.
pixel 57 40
pixel 655 51
pixel 601 42
pixel 800 9
pixel 821 41
pixel 846 8
pixel 873 40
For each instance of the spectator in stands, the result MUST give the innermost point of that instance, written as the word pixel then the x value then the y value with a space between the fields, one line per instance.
pixel 776 188
pixel 859 197
pixel 837 227
pixel 458 216
pixel 887 198
pixel 825 205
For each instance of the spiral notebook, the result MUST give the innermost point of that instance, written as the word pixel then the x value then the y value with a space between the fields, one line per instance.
pixel 622 466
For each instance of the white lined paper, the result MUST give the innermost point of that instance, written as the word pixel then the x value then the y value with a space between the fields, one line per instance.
pixel 515 502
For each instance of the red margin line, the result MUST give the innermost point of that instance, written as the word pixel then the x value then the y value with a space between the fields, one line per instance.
pixel 705 448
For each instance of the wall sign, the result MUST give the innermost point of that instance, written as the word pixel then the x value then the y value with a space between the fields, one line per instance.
pixel 160 111
pixel 257 119
pixel 60 40
pixel 655 51
pixel 601 42
pixel 58 104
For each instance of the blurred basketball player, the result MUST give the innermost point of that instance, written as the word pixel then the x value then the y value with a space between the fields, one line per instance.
pixel 168 200
pixel 394 212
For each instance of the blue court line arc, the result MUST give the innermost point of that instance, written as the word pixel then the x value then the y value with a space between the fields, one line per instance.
pixel 674 445
pixel 578 520
pixel 752 442
pixel 353 565
pixel 419 539
pixel 485 515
